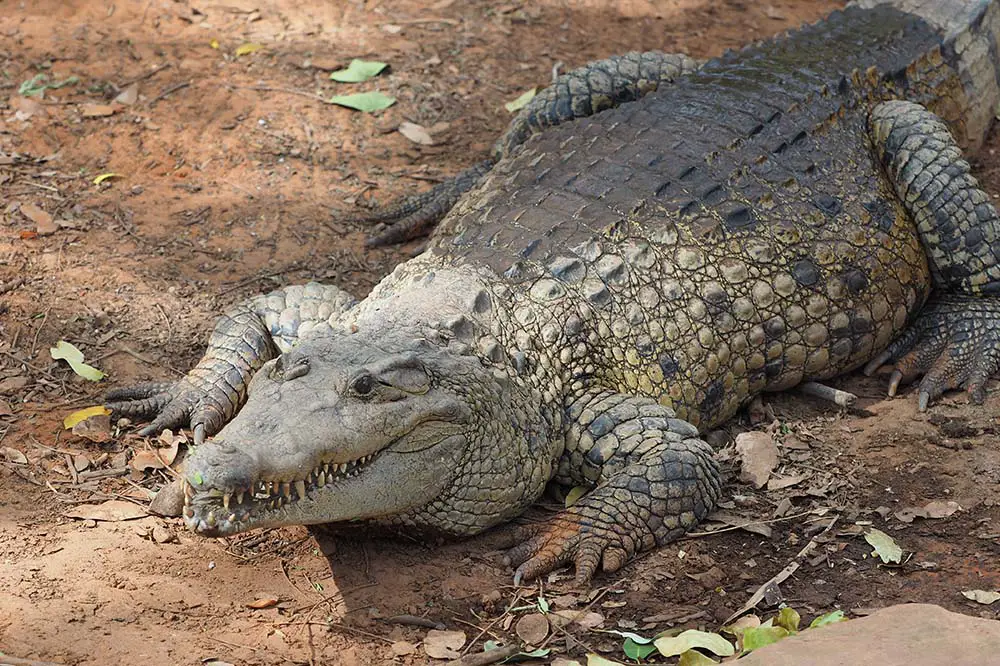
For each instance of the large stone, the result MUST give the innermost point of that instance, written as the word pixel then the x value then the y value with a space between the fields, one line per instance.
pixel 904 635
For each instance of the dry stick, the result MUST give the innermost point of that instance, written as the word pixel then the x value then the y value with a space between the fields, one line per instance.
pixel 695 535
pixel 828 393
pixel 143 77
pixel 168 91
pixel 781 576
pixel 483 630
pixel 485 658
pixel 290 91
pixel 580 614
pixel 21 361
pixel 415 621
pixel 34 340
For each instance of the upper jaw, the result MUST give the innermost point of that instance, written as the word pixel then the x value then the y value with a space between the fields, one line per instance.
pixel 232 508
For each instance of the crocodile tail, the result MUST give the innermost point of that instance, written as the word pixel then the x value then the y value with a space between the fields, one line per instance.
pixel 970 31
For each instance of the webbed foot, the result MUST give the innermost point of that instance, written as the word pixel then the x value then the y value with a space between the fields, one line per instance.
pixel 954 344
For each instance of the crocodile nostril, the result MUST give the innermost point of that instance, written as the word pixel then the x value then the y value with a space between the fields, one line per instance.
pixel 299 369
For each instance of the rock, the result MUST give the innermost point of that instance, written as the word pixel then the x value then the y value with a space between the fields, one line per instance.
pixel 759 454
pixel 903 635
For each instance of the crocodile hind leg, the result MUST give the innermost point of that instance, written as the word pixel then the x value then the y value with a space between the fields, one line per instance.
pixel 654 480
pixel 595 87
pixel 955 340
pixel 245 337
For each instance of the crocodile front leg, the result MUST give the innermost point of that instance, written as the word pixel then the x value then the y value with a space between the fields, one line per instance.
pixel 245 337
pixel 655 480
pixel 955 340
pixel 585 91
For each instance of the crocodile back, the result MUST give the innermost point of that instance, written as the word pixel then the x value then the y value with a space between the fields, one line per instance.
pixel 727 235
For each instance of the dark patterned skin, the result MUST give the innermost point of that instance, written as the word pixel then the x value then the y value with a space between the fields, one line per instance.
pixel 616 284
pixel 583 92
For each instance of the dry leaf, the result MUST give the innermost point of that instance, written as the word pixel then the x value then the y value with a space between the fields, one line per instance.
pixel 779 482
pixel 444 644
pixel 81 462
pixel 44 223
pixel 586 619
pixel 128 96
pixel 935 509
pixel 25 107
pixel 13 384
pixel 759 454
pixel 110 511
pixel 263 602
pixel 403 648
pixel 96 428
pixel 416 133
pixel 13 455
pixel 162 534
pixel 97 110
pixel 985 597
pixel 532 628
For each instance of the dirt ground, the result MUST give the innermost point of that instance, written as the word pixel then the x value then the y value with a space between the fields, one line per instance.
pixel 234 177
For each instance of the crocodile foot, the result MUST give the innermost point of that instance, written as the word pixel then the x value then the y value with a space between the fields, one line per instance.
pixel 414 216
pixel 568 537
pixel 954 344
pixel 171 405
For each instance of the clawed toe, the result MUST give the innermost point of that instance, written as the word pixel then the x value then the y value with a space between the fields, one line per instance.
pixel 954 344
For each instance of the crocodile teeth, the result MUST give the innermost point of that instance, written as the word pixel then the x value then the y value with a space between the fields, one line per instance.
pixel 210 519
pixel 286 489
pixel 232 517
pixel 225 500
pixel 239 497
pixel 342 468
pixel 326 468
pixel 321 479
pixel 188 490
pixel 300 489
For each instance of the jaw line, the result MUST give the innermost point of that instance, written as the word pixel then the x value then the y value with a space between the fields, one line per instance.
pixel 369 484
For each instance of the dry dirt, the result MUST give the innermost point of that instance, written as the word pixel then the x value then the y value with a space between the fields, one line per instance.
pixel 234 177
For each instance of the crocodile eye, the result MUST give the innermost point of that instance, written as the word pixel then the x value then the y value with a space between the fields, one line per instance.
pixel 363 385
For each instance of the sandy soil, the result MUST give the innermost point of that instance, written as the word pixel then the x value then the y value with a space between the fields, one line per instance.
pixel 234 177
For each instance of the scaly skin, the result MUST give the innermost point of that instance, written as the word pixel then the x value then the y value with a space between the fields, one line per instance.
pixel 583 92
pixel 618 282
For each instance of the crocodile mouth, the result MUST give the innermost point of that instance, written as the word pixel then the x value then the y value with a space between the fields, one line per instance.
pixel 217 512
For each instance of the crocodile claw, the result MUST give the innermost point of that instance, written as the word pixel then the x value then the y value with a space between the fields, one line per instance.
pixel 567 538
pixel 171 406
pixel 953 344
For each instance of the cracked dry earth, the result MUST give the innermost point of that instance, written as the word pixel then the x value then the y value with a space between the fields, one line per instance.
pixel 233 179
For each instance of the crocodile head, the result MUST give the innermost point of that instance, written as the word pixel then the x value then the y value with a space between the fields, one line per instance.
pixel 350 427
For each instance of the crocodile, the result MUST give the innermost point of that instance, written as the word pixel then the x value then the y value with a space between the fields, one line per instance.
pixel 617 284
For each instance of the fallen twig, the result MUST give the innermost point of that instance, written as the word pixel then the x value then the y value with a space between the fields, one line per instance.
pixel 168 91
pixel 485 658
pixel 415 621
pixel 828 393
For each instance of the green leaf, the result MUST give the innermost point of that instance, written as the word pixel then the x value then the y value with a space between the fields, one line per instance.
pixel 789 619
pixel 367 102
pixel 67 352
pixel 637 651
pixel 358 71
pixel 758 637
pixel 830 618
pixel 598 660
pixel 670 646
pixel 39 83
pixel 521 101
pixel 885 547
pixel 574 495
pixel 695 658
pixel 543 604
pixel 197 478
